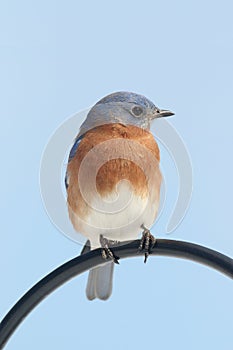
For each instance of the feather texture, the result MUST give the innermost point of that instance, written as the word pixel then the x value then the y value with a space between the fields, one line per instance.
pixel 99 284
pixel 133 178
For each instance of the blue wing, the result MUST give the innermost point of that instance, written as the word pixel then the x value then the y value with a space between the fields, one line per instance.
pixel 71 156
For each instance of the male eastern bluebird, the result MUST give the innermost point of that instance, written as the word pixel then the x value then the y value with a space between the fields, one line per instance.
pixel 113 180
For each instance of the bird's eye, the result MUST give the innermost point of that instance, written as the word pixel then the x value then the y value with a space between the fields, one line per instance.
pixel 137 111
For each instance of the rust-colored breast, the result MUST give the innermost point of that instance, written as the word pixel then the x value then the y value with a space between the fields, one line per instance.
pixel 136 155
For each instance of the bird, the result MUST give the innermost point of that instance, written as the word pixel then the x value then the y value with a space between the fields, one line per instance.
pixel 113 180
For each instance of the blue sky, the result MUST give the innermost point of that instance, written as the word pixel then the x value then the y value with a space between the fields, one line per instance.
pixel 61 57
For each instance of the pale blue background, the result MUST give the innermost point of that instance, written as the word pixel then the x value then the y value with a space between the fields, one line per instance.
pixel 60 57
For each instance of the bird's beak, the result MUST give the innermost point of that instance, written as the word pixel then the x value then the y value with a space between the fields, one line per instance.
pixel 162 113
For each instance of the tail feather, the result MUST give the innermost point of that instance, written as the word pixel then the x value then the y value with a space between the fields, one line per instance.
pixel 99 284
pixel 90 289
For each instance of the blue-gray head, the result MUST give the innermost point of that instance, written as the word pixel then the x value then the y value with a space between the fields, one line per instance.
pixel 126 108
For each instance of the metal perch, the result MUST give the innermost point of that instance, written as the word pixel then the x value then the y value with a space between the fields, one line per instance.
pixel 82 263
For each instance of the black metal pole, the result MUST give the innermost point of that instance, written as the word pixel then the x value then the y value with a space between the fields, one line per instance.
pixel 84 262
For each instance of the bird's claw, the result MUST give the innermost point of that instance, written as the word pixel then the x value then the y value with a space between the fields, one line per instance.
pixel 106 252
pixel 147 242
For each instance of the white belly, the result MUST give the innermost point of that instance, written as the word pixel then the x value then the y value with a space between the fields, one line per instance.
pixel 118 216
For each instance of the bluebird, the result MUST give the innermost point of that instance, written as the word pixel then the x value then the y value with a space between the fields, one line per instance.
pixel 113 180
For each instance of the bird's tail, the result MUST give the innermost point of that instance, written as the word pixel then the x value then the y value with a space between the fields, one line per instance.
pixel 99 284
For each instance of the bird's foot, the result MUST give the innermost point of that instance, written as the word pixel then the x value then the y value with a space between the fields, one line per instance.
pixel 147 242
pixel 106 252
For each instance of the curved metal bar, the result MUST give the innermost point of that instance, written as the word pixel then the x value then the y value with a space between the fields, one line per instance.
pixel 86 261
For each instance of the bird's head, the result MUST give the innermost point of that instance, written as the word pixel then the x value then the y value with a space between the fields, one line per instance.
pixel 126 108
